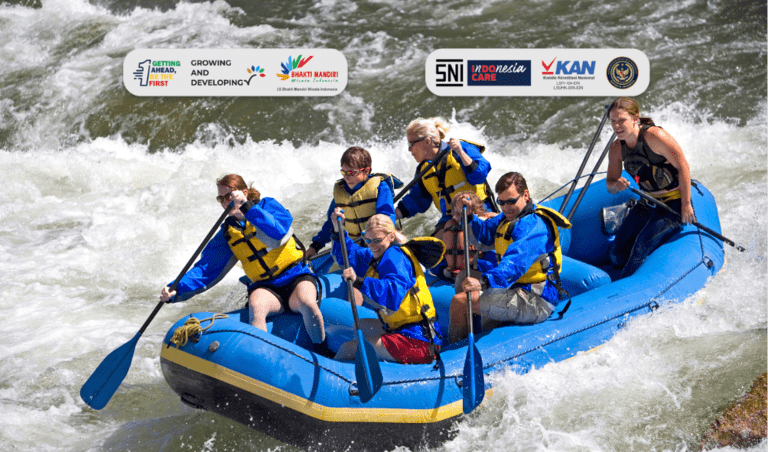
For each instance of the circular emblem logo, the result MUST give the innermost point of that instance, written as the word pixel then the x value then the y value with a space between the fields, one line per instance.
pixel 622 72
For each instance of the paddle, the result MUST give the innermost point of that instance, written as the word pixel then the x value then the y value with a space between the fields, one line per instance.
pixel 658 203
pixel 591 176
pixel 421 174
pixel 472 383
pixel 105 380
pixel 367 369
pixel 584 162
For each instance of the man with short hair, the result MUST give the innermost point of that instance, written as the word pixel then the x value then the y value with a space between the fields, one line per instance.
pixel 524 287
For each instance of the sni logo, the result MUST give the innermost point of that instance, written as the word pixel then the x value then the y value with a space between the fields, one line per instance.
pixel 449 72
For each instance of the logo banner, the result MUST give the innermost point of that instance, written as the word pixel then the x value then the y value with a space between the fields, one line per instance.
pixel 235 72
pixel 537 72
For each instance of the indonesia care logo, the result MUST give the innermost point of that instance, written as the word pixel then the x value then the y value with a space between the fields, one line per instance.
pixel 295 71
pixel 499 73
pixel 622 72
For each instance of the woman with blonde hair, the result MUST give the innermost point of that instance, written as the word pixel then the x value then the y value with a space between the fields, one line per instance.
pixel 460 168
pixel 394 285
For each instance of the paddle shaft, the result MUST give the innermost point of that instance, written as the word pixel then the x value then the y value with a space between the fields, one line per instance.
pixel 421 174
pixel 189 264
pixel 104 381
pixel 658 203
pixel 473 382
pixel 465 227
pixel 584 162
pixel 350 288
pixel 367 369
pixel 591 176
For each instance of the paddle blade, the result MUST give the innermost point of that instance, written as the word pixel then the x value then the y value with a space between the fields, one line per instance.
pixel 105 380
pixel 473 381
pixel 367 369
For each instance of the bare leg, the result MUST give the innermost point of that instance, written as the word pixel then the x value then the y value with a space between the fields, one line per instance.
pixel 458 320
pixel 372 331
pixel 262 303
pixel 304 300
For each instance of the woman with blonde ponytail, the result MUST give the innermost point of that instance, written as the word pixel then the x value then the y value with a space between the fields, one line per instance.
pixel 461 168
pixel 394 285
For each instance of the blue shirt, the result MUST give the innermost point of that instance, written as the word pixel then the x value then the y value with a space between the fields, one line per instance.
pixel 396 277
pixel 419 199
pixel 384 205
pixel 531 239
pixel 273 224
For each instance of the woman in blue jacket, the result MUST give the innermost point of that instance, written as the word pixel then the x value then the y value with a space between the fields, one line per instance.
pixel 257 233
pixel 461 169
pixel 394 285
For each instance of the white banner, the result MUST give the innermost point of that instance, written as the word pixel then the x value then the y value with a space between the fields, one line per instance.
pixel 235 72
pixel 537 72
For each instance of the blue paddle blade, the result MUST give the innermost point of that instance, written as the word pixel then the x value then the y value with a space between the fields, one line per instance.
pixel 105 380
pixel 473 381
pixel 367 369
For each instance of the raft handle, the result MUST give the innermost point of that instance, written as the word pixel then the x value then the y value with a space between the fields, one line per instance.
pixel 353 391
pixel 190 400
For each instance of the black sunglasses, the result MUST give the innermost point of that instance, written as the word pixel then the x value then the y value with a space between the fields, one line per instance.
pixel 508 201
pixel 411 143
pixel 227 197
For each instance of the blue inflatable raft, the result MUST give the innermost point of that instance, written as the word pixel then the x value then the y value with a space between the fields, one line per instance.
pixel 272 382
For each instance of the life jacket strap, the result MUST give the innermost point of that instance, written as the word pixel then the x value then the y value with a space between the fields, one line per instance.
pixel 428 325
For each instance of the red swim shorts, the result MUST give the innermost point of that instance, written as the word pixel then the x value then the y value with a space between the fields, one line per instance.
pixel 406 350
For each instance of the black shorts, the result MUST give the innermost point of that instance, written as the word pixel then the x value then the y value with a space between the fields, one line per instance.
pixel 284 292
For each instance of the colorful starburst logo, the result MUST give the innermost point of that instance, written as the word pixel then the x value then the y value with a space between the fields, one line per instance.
pixel 254 71
pixel 292 65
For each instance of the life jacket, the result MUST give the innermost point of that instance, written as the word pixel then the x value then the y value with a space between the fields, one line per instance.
pixel 651 171
pixel 418 297
pixel 259 262
pixel 361 205
pixel 453 236
pixel 553 260
pixel 447 177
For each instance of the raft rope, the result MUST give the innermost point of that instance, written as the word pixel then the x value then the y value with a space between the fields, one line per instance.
pixel 192 328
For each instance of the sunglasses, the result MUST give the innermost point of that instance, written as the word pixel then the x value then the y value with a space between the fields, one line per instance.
pixel 411 143
pixel 375 241
pixel 227 197
pixel 352 172
pixel 508 201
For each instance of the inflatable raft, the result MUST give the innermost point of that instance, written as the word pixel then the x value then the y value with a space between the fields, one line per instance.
pixel 272 382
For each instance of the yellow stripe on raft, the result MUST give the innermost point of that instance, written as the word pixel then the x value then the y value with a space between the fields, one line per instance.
pixel 308 407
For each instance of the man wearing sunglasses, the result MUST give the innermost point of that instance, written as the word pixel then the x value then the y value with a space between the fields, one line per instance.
pixel 524 286
pixel 360 194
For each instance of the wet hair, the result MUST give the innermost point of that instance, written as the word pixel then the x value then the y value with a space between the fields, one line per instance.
pixel 630 106
pixel 435 128
pixel 384 223
pixel 236 182
pixel 475 205
pixel 510 179
pixel 356 157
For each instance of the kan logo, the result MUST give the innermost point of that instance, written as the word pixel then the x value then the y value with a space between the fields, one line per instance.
pixel 567 67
